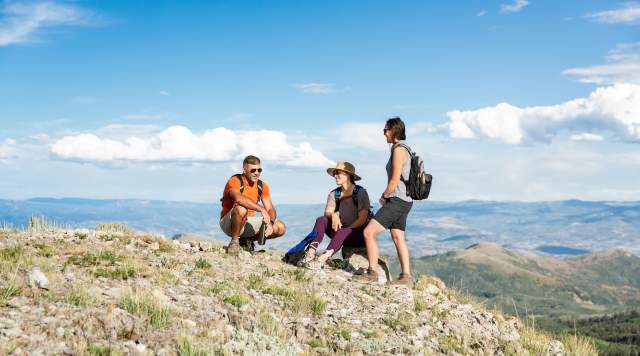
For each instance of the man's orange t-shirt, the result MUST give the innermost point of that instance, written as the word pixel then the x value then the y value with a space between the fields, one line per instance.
pixel 250 191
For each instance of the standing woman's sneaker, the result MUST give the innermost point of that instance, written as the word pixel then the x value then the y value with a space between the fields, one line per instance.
pixel 371 276
pixel 403 280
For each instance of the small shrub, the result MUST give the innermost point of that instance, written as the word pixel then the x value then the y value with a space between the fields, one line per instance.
pixel 169 263
pixel 77 296
pixel 299 275
pixel 8 292
pixel 270 326
pixel 313 343
pixel 80 234
pixel 11 254
pixel 400 321
pixel 149 308
pixel 254 281
pixel 218 288
pixel 43 250
pixel 166 246
pixel 337 263
pixel 97 350
pixel 237 300
pixel 123 272
pixel 419 305
pixel 317 305
pixel 288 293
pixel 579 345
pixel 187 349
pixel 201 263
pixel 114 227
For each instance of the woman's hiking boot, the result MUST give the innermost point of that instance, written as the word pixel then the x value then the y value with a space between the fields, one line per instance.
pixel 233 248
pixel 305 259
pixel 371 276
pixel 403 280
pixel 314 265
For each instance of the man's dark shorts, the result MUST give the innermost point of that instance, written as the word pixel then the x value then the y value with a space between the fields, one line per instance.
pixel 393 214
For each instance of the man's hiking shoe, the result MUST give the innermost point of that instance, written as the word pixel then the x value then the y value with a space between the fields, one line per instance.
pixel 371 276
pixel 233 248
pixel 305 259
pixel 247 244
pixel 403 280
pixel 262 234
pixel 314 265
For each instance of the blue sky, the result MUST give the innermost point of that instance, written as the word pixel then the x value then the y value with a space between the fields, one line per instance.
pixel 506 100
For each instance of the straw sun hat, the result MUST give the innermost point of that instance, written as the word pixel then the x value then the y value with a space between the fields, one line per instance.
pixel 345 167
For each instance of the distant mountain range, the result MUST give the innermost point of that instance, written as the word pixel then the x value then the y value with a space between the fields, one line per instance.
pixel 560 293
pixel 561 228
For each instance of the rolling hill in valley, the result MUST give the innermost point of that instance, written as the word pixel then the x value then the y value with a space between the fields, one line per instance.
pixel 557 292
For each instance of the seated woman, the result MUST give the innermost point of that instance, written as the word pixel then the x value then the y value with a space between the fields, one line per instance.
pixel 348 212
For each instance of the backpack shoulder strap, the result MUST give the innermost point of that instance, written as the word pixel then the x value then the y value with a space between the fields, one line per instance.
pixel 259 189
pixel 405 147
pixel 239 177
pixel 337 193
pixel 354 195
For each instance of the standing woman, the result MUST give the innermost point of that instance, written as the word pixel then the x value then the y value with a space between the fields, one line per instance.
pixel 396 204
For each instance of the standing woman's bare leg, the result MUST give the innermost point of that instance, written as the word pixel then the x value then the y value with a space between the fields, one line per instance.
pixel 370 233
pixel 403 251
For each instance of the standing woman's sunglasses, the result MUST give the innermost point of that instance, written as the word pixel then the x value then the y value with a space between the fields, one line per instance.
pixel 259 170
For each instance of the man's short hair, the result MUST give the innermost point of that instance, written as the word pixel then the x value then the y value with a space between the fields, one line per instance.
pixel 251 160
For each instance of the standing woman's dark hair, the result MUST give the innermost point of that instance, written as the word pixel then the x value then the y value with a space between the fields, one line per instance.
pixel 396 126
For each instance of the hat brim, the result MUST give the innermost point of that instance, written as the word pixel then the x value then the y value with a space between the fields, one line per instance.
pixel 331 172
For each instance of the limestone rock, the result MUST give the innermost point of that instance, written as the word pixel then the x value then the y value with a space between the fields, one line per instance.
pixel 37 279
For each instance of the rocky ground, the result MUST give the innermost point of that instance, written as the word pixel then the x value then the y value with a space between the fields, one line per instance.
pixel 112 291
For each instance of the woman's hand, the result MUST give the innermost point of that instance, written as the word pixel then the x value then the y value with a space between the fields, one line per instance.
pixel 336 224
pixel 382 200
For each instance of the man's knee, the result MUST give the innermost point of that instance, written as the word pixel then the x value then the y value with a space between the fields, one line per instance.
pixel 239 211
pixel 279 228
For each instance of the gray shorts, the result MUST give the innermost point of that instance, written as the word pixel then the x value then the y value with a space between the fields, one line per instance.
pixel 250 229
pixel 393 214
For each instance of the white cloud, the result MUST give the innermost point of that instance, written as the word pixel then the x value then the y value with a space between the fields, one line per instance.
pixel 614 110
pixel 20 22
pixel 514 6
pixel 179 144
pixel 8 149
pixel 365 135
pixel 586 137
pixel 164 93
pixel 623 66
pixel 482 13
pixel 629 12
pixel 316 88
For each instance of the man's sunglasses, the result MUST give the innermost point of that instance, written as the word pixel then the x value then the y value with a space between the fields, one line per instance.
pixel 384 131
pixel 259 170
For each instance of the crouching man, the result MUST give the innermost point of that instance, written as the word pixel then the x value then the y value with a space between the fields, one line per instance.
pixel 240 202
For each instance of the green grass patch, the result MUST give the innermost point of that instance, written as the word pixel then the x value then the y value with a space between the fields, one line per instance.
pixel 77 296
pixel 201 263
pixel 218 288
pixel 120 272
pixel 97 350
pixel 149 308
pixel 254 282
pixel 237 300
pixel 186 348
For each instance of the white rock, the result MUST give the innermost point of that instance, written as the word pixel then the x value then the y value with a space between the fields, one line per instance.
pixel 60 332
pixel 38 279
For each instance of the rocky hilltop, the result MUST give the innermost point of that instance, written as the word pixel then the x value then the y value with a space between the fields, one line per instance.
pixel 112 291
